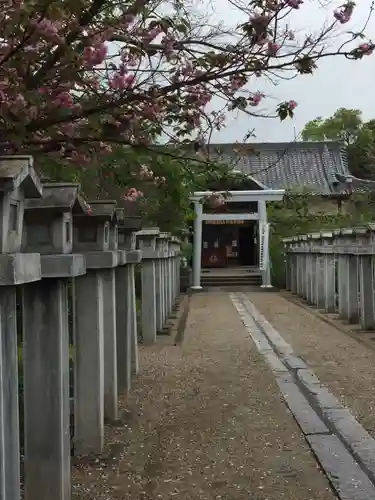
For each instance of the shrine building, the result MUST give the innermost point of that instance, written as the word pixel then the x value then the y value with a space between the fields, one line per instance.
pixel 234 235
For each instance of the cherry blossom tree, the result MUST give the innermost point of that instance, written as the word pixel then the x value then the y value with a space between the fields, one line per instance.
pixel 78 76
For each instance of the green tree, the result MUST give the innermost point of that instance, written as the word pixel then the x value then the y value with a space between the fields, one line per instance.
pixel 165 189
pixel 344 125
pixel 361 153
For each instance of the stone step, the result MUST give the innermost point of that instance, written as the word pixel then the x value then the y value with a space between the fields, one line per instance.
pixel 254 279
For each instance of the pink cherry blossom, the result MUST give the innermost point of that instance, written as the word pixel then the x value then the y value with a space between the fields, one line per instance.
pixel 272 48
pixel 132 194
pixel 95 55
pixel 344 13
pixel 366 48
pixel 121 81
pixel 63 100
pixel 131 76
pixel 294 4
pixel 79 158
pixel 237 82
pixel 256 98
pixel 145 172
pixel 46 27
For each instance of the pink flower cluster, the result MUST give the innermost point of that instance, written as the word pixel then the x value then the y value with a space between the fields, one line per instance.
pixel 127 78
pixel 199 96
pixel 132 194
pixel 273 48
pixel 366 49
pixel 121 81
pixel 94 55
pixel 344 13
pixel 294 4
pixel 47 29
pixel 236 82
pixel 146 173
pixel 256 98
pixel 87 207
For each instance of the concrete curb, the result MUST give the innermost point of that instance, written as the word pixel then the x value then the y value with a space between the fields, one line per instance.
pixel 354 334
pixel 342 446
pixel 176 323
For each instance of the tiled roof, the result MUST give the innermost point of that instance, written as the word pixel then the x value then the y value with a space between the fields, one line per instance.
pixel 318 166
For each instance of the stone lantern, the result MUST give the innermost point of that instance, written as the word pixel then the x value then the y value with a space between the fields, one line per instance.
pixel 17 181
pixel 92 231
pixel 146 239
pixel 48 230
pixel 126 317
pixel 96 380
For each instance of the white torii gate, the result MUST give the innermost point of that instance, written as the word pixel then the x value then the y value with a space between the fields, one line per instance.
pixel 261 197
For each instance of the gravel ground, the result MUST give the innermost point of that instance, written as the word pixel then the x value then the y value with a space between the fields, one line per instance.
pixel 344 365
pixel 205 421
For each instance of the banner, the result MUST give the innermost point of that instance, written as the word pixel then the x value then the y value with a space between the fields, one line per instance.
pixel 263 245
pixel 225 222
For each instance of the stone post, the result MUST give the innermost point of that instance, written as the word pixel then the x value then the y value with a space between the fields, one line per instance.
pixel 306 269
pixel 288 263
pixel 311 260
pixel 293 268
pixel 288 270
pixel 294 273
pixel 315 245
pixel 352 289
pixel 312 283
pixel 363 239
pixel 160 281
pixel 317 271
pixel 347 263
pixel 17 181
pixel 176 247
pixel 320 276
pixel 95 329
pixel 319 298
pixel 147 244
pixel 307 281
pixel 48 228
pixel 366 276
pixel 329 271
pixel 165 277
pixel 300 270
pixel 197 242
pixel 126 315
pixel 342 277
pixel 169 277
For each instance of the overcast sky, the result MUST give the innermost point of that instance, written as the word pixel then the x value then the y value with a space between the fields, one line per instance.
pixel 336 83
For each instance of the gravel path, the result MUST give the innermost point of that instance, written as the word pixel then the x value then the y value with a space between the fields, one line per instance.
pixel 204 422
pixel 344 365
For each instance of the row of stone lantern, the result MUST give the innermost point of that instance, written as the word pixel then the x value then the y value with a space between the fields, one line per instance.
pixel 334 271
pixel 51 239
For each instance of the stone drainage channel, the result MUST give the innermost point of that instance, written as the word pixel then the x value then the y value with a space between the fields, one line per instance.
pixel 343 447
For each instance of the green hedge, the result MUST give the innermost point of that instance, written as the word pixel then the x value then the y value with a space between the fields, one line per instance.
pixel 293 217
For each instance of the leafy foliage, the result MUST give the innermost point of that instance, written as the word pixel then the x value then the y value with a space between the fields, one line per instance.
pixel 346 125
pixel 80 76
pixel 294 216
pixel 165 189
